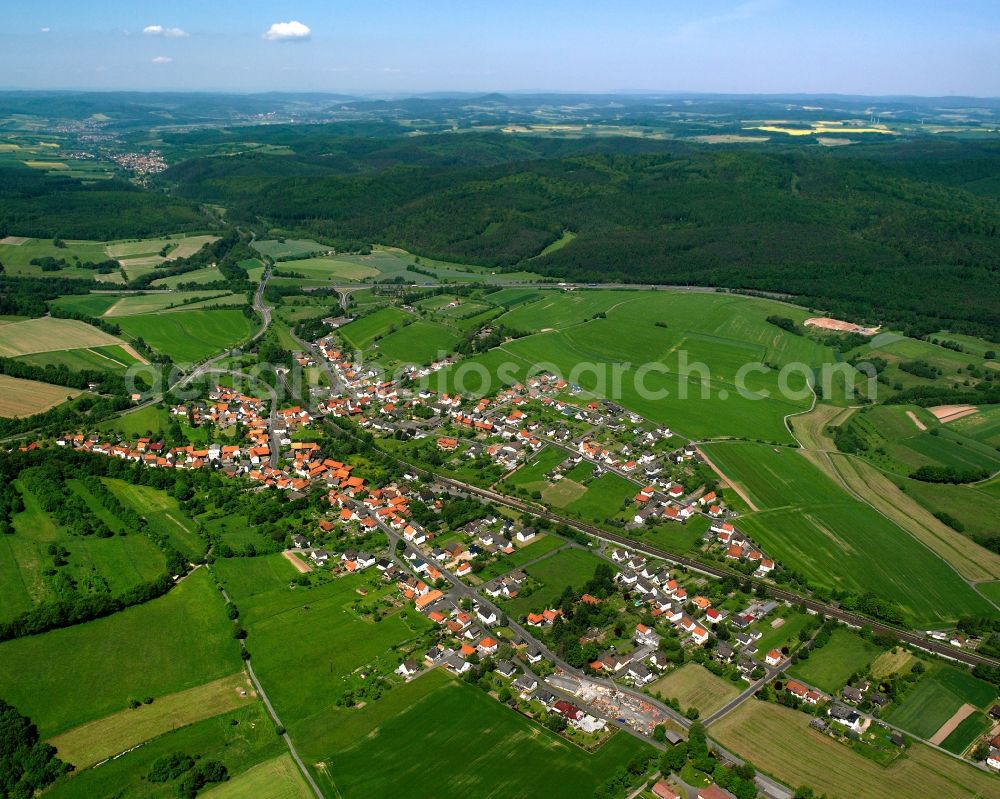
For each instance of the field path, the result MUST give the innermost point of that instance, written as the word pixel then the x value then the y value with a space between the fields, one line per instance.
pixel 740 492
pixel 133 352
pixel 949 726
pixel 297 562
pixel 920 425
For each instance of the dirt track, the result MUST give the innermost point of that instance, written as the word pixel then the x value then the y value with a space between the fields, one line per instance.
pixel 739 491
pixel 916 421
pixel 297 562
pixel 949 726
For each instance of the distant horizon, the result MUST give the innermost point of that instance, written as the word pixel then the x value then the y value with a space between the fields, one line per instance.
pixel 375 94
pixel 920 48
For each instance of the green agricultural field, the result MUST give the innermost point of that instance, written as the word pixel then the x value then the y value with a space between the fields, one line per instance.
pixel 362 332
pixel 99 564
pixel 474 740
pixel 245 578
pixel 512 298
pixel 47 334
pixel 63 678
pixel 419 343
pixel 937 697
pixel 288 247
pixel 208 274
pixel 90 304
pixel 568 567
pixel 808 523
pixel 274 779
pixel 976 507
pixel 983 426
pixel 189 336
pixel 163 514
pixel 897 443
pixel 316 634
pixel 240 739
pixel 687 360
pixel 829 667
pixel 106 359
pixel 969 730
pixel 17 259
pixel 328 269
pixel 135 304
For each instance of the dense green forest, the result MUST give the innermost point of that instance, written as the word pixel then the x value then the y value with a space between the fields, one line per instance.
pixel 37 204
pixel 874 235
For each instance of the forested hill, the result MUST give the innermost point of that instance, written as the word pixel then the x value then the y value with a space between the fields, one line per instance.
pixel 900 233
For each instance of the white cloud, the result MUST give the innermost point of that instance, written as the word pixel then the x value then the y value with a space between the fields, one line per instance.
pixel 46 30
pixel 162 59
pixel 167 33
pixel 293 31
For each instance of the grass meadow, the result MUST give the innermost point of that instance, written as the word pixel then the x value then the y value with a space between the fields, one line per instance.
pixel 67 677
pixel 240 739
pixel 568 567
pixel 114 564
pixel 829 667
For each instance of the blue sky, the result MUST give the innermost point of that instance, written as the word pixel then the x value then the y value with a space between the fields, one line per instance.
pixel 388 46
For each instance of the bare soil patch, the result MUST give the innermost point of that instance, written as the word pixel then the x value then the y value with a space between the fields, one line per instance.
pixel 297 562
pixel 840 326
pixel 14 241
pixel 949 413
pixel 949 726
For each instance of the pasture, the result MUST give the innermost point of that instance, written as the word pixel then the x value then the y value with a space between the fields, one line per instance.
pixel 113 564
pixel 531 476
pixel 419 343
pixel 279 778
pixel 897 444
pixel 780 742
pixel 316 634
pixel 478 747
pixel 67 677
pixel 240 739
pixel 360 333
pixel 829 667
pixel 163 514
pixel 20 398
pixel 188 336
pixel 568 567
pixel 541 545
pixel 208 274
pixel 936 697
pixel 984 425
pixel 92 742
pixel 328 269
pixel 284 248
pixel 48 333
pixel 695 686
pixel 106 359
pixel 808 523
